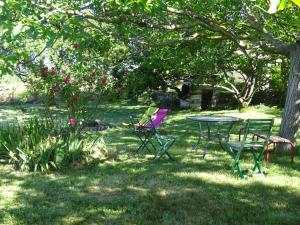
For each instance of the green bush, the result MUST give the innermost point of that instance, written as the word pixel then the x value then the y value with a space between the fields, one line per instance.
pixel 42 144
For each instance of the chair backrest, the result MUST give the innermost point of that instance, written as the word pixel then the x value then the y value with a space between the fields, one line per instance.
pixel 157 118
pixel 148 113
pixel 258 126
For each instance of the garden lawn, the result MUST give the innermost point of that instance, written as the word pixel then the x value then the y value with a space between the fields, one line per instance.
pixel 125 188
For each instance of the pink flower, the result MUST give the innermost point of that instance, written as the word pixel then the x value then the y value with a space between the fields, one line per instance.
pixel 73 121
pixel 126 74
pixel 64 71
pixel 57 88
pixel 103 81
pixel 67 80
pixel 104 72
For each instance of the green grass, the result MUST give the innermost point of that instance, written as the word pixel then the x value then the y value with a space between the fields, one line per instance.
pixel 133 189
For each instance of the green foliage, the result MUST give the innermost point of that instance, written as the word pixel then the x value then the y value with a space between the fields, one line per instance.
pixel 42 144
pixel 274 93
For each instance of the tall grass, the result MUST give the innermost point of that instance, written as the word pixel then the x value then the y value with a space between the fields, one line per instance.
pixel 41 144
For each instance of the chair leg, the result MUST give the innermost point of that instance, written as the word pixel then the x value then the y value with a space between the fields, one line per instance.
pixel 145 141
pixel 256 163
pixel 143 145
pixel 236 168
pixel 292 152
pixel 165 152
pixel 267 154
pixel 164 148
pixel 236 164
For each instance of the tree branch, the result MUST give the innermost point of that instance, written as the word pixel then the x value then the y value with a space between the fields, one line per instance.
pixel 279 46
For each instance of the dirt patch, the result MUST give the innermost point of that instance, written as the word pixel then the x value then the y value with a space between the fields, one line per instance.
pixel 97 125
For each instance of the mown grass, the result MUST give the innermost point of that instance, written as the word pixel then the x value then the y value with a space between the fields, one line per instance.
pixel 133 189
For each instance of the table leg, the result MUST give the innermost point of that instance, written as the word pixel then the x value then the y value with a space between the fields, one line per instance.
pixel 197 144
pixel 205 150
pixel 226 136
pixel 207 142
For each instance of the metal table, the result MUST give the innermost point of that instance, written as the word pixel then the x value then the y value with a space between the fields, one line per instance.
pixel 213 128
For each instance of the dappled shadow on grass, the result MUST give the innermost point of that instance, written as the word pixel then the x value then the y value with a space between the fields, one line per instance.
pixel 133 189
pixel 142 192
pixel 283 161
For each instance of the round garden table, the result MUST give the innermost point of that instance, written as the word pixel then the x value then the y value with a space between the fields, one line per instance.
pixel 213 128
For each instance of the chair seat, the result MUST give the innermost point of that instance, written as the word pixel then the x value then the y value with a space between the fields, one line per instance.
pixel 166 137
pixel 251 144
pixel 237 145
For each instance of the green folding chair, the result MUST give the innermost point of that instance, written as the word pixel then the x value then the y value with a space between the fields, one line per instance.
pixel 250 144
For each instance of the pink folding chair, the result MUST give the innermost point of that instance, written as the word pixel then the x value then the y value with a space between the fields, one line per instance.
pixel 149 131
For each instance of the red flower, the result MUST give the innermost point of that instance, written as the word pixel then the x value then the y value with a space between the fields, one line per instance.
pixel 64 71
pixel 75 45
pixel 67 80
pixel 73 121
pixel 53 72
pixel 104 72
pixel 57 88
pixel 103 81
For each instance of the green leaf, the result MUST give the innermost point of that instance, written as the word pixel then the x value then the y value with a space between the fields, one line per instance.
pixel 17 29
pixel 282 5
pixel 297 2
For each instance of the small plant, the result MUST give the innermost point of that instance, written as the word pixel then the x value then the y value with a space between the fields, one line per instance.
pixel 42 144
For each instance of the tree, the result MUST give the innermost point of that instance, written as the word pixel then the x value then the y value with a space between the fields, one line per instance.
pixel 243 23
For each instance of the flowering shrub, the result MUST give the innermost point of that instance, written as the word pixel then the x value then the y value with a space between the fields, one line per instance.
pixel 71 84
pixel 74 83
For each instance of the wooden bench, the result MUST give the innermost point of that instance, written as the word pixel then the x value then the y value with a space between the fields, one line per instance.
pixel 276 140
pixel 273 140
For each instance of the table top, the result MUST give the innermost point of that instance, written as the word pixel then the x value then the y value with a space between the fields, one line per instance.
pixel 214 118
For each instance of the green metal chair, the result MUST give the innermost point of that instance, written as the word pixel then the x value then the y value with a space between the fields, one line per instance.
pixel 249 143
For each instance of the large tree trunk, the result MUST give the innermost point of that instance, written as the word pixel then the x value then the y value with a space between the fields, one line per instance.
pixel 290 120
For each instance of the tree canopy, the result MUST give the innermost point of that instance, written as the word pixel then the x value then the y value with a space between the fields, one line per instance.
pixel 191 32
